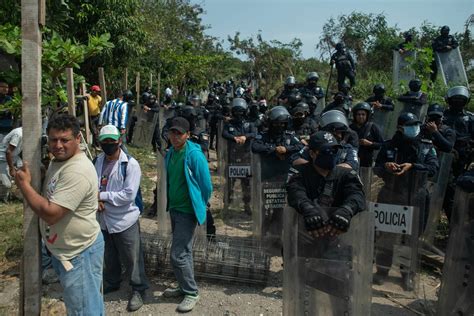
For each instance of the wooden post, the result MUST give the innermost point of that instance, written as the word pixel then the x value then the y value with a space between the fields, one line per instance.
pixel 137 88
pixel 86 114
pixel 158 89
pixel 125 81
pixel 103 88
pixel 151 80
pixel 71 98
pixel 30 269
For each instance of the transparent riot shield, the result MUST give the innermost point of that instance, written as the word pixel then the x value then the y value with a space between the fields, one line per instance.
pixel 401 71
pixel 398 204
pixel 419 111
pixel 221 150
pixel 381 118
pixel 365 175
pixel 451 68
pixel 144 128
pixel 269 200
pixel 327 276
pixel 437 187
pixel 388 120
pixel 456 296
pixel 237 192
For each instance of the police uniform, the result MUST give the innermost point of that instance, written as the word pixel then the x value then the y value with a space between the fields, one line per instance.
pixel 346 154
pixel 305 129
pixel 371 132
pixel 413 102
pixel 345 67
pixel 266 143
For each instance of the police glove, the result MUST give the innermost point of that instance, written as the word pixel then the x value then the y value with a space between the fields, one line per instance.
pixel 341 219
pixel 313 222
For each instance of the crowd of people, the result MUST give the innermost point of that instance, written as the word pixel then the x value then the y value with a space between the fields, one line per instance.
pixel 90 210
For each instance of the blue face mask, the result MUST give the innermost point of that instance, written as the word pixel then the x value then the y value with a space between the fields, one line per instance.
pixel 326 159
pixel 411 131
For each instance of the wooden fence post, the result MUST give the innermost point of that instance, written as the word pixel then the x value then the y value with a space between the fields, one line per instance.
pixel 103 88
pixel 86 114
pixel 71 98
pixel 30 269
pixel 125 81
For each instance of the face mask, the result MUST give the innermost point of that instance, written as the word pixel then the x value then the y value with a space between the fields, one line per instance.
pixel 411 131
pixel 298 121
pixel 326 159
pixel 110 148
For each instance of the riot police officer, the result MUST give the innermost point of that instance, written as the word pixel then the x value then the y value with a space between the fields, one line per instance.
pixel 370 135
pixel 290 93
pixel 442 136
pixel 214 108
pixel 406 152
pixel 277 141
pixel 378 100
pixel 442 44
pixel 415 99
pixel 345 65
pixel 201 112
pixel 312 92
pixel 462 121
pixel 302 123
pixel 238 130
pixel 255 116
pixel 338 103
pixel 321 183
pixel 402 47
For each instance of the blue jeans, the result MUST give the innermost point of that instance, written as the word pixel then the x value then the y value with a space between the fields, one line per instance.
pixel 183 226
pixel 82 284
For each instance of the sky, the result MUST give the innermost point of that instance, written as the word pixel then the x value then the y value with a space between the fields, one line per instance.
pixel 284 20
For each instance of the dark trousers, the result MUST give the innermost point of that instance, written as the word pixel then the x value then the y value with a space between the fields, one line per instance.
pixel 341 77
pixel 94 127
pixel 125 249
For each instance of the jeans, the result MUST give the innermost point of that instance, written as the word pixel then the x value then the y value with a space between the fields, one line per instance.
pixel 82 284
pixel 183 226
pixel 124 248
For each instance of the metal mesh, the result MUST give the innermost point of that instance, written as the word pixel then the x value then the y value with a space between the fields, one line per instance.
pixel 225 258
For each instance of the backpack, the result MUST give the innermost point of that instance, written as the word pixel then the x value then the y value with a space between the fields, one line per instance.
pixel 123 168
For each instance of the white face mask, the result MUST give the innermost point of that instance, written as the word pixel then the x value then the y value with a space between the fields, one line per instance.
pixel 411 131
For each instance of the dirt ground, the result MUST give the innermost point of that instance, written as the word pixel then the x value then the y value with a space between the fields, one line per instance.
pixel 217 297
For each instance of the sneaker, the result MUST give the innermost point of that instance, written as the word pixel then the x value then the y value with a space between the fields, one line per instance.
pixel 135 302
pixel 173 292
pixel 188 303
pixel 49 276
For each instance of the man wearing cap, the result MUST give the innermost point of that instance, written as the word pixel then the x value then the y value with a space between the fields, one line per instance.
pixel 67 211
pixel 189 188
pixel 94 102
pixel 119 180
pixel 320 184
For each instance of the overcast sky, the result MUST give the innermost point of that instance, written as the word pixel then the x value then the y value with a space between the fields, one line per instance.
pixel 285 20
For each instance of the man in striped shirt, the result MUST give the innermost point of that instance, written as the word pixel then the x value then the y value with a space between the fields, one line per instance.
pixel 115 112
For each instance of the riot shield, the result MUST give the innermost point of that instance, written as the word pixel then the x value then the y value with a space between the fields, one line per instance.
pixel 419 111
pixel 221 150
pixel 451 68
pixel 365 175
pixel 237 192
pixel 437 186
pixel 387 121
pixel 144 128
pixel 457 286
pixel 398 204
pixel 329 275
pixel 269 200
pixel 401 71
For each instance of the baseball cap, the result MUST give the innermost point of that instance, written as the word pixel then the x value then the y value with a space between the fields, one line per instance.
pixel 180 124
pixel 321 140
pixel 95 88
pixel 109 131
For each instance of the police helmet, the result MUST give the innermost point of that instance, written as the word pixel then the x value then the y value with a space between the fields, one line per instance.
pixel 301 107
pixel 407 118
pixel 362 106
pixel 295 98
pixel 415 85
pixel 340 46
pixel 435 110
pixel 290 81
pixel 445 30
pixel 313 75
pixel 239 103
pixel 379 89
pixel 334 120
pixel 127 95
pixel 188 112
pixel 279 114
pixel 459 93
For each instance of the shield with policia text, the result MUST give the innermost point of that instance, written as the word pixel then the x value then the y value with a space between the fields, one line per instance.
pixel 269 200
pixel 238 185
pixel 402 73
pixel 457 286
pixel 327 276
pixel 398 203
pixel 451 68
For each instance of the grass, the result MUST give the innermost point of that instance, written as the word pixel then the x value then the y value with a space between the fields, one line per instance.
pixel 11 230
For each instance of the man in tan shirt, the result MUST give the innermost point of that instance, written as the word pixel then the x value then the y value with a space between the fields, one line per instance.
pixel 67 211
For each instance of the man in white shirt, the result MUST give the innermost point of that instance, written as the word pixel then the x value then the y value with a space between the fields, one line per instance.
pixel 10 150
pixel 119 181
